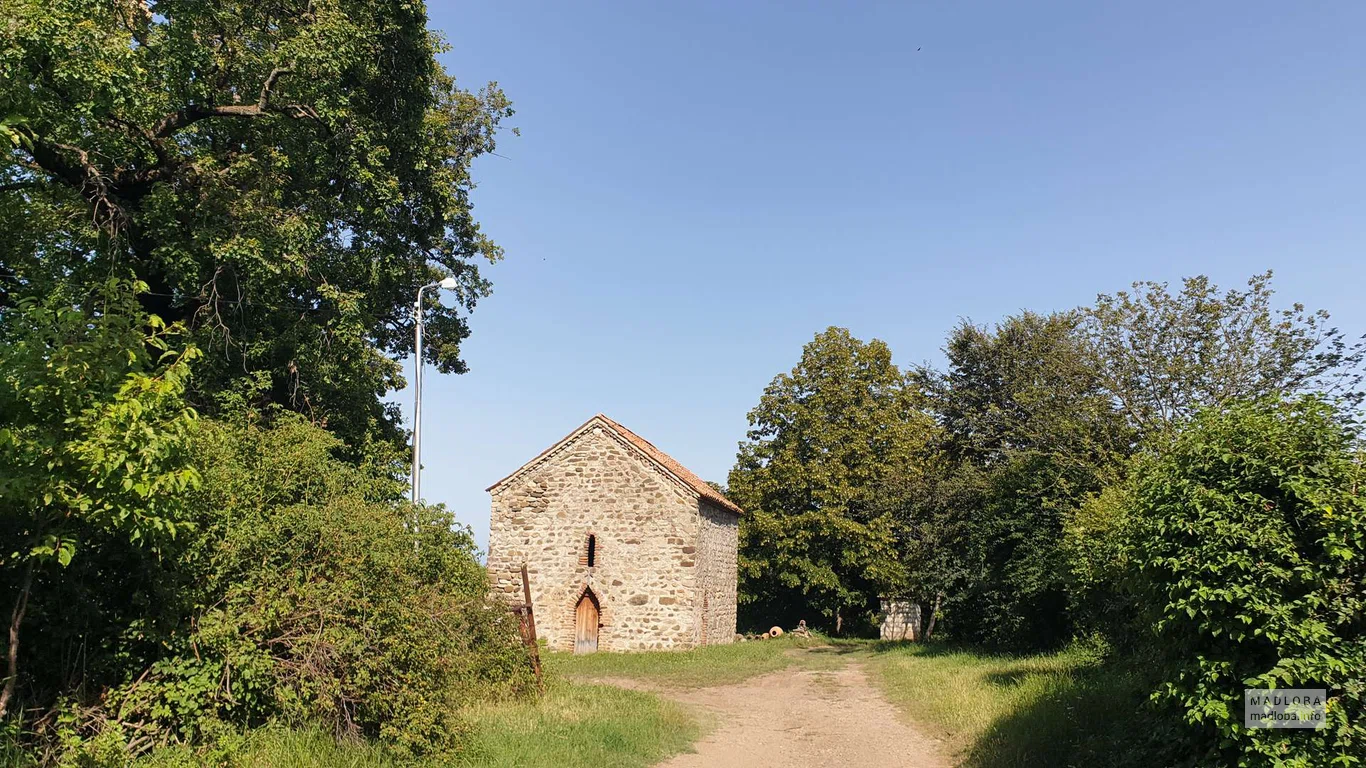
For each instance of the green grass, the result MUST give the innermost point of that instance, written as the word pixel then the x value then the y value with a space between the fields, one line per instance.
pixel 1058 709
pixel 577 724
pixel 573 724
pixel 271 748
pixel 705 666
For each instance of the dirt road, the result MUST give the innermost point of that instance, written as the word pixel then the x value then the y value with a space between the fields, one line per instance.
pixel 801 716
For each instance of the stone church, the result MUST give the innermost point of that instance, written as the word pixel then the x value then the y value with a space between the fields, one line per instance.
pixel 626 549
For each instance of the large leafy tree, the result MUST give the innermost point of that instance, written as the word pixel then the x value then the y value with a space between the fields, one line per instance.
pixel 826 442
pixel 1028 430
pixel 281 175
pixel 1167 355
pixel 1163 357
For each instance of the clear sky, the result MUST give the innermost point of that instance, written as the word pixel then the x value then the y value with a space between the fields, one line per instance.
pixel 700 187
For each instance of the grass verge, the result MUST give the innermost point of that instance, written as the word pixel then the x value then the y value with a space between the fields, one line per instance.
pixel 577 724
pixel 573 724
pixel 700 667
pixel 1061 709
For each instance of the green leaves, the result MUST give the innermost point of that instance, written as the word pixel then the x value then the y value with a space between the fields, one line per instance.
pixel 1168 355
pixel 1236 540
pixel 829 443
pixel 282 176
pixel 52 546
pixel 94 428
pixel 1028 432
pixel 276 180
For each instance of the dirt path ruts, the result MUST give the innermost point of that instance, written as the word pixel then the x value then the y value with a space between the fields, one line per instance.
pixel 805 717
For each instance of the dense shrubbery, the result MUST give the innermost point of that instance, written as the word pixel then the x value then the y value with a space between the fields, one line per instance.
pixel 359 622
pixel 300 595
pixel 1246 544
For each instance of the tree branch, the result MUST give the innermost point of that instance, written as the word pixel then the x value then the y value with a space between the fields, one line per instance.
pixel 81 175
pixel 138 132
pixel 106 192
pixel 48 155
pixel 179 119
pixel 266 87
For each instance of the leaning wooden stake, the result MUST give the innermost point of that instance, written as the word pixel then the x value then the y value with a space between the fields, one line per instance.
pixel 528 627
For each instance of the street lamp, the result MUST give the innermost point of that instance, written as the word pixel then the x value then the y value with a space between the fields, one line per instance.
pixel 449 284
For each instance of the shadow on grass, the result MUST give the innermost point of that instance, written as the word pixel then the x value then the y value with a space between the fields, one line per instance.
pixel 932 649
pixel 1019 675
pixel 1088 716
pixel 1002 710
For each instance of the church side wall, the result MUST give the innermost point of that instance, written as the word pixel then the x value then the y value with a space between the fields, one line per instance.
pixel 645 528
pixel 717 544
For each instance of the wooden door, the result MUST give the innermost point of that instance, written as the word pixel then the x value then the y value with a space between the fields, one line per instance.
pixel 586 624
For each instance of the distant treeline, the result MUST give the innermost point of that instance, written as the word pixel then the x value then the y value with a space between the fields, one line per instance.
pixel 1174 477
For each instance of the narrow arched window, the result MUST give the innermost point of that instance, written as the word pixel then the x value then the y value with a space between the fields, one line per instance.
pixel 590 552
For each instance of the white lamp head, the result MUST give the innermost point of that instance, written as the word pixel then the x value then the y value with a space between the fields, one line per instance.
pixel 448 283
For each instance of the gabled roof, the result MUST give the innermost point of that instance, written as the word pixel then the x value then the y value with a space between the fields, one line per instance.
pixel 661 459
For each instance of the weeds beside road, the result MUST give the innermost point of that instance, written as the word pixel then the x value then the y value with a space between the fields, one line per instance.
pixel 990 711
pixel 1067 708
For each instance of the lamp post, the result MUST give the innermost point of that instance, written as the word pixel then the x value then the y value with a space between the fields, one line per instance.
pixel 449 284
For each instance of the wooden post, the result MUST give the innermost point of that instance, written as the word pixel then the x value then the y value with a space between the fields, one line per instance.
pixel 528 626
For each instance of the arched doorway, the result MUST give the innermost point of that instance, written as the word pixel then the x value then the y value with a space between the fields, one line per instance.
pixel 586 623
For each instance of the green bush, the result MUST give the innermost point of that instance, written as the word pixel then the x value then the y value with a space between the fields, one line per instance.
pixel 1246 543
pixel 308 595
pixel 1099 603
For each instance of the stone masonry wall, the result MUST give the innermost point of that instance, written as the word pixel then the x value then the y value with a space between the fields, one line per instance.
pixel 718 542
pixel 900 619
pixel 646 529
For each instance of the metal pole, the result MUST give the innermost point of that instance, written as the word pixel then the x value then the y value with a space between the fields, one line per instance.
pixel 417 399
pixel 450 284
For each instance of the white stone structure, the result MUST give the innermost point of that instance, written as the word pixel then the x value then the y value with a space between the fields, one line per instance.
pixel 625 548
pixel 900 619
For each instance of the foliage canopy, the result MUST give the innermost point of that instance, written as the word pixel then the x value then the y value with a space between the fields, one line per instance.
pixel 1027 432
pixel 299 597
pixel 281 176
pixel 826 441
pixel 225 209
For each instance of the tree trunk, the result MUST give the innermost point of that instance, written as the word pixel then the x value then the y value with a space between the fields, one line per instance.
pixel 839 621
pixel 12 657
pixel 934 613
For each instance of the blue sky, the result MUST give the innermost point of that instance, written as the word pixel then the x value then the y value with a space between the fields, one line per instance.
pixel 701 187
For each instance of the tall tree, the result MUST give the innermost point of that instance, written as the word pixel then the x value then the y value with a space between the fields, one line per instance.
pixel 825 441
pixel 1168 355
pixel 282 176
pixel 1028 431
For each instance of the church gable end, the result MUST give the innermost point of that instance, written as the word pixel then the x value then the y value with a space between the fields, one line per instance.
pixel 596 513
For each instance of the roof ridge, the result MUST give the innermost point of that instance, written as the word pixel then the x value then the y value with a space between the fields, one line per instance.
pixel 671 464
pixel 652 452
